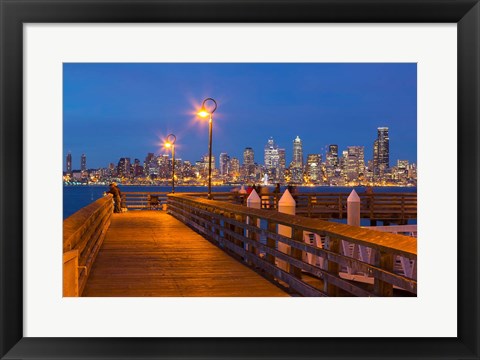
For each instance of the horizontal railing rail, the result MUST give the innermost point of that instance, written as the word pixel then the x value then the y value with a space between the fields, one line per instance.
pixel 307 255
pixel 394 207
pixel 154 200
pixel 83 234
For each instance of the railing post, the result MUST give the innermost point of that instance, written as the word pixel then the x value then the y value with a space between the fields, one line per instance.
pixel 272 228
pixel 333 245
pixel 296 253
pixel 384 261
pixel 70 273
pixel 353 209
pixel 286 205
pixel 254 202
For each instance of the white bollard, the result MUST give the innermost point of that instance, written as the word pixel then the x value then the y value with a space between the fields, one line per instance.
pixel 353 209
pixel 286 205
pixel 353 218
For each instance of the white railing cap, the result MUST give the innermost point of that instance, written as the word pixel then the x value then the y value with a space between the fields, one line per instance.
pixel 286 199
pixel 353 197
pixel 253 198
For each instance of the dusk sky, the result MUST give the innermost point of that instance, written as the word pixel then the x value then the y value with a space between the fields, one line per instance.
pixel 125 110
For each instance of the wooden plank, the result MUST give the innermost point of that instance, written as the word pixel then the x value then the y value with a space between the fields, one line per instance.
pixel 150 253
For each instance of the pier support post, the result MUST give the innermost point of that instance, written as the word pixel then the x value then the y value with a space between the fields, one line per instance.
pixel 286 205
pixel 253 201
pixel 353 209
pixel 353 219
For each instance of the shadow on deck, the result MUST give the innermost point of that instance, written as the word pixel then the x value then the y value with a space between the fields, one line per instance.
pixel 150 253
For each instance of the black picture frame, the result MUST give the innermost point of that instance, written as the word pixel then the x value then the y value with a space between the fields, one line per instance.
pixel 14 13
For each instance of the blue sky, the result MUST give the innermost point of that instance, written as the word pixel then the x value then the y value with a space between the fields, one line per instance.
pixel 125 110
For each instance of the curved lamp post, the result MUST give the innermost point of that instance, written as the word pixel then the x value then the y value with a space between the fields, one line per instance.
pixel 170 143
pixel 205 113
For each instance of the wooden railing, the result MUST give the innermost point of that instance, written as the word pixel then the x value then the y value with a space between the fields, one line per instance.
pixel 389 207
pixel 83 234
pixel 155 200
pixel 312 258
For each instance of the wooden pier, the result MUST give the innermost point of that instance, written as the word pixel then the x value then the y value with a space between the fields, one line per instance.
pixel 150 253
pixel 217 248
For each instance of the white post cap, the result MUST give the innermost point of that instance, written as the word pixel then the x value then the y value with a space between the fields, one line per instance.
pixel 286 199
pixel 353 197
pixel 253 198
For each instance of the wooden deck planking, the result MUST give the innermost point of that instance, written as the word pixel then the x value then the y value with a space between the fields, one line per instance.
pixel 150 253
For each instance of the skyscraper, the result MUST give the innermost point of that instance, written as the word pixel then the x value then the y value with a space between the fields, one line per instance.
pixel 313 167
pixel 355 167
pixel 381 152
pixel 331 160
pixel 248 156
pixel 69 163
pixel 123 167
pixel 297 152
pixel 272 159
pixel 224 164
pixel 297 162
pixel 248 166
pixel 234 171
pixel 83 162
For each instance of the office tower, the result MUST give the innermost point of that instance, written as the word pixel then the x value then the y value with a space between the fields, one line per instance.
pixel 331 160
pixel 121 167
pixel 149 163
pixel 248 156
pixel 381 153
pixel 164 166
pixel 270 154
pixel 111 169
pixel 83 162
pixel 224 162
pixel 313 168
pixel 234 167
pixel 297 162
pixel 188 171
pixel 272 160
pixel 401 172
pixel 282 165
pixel 355 167
pixel 205 161
pixel 297 152
pixel 248 167
pixel 137 168
pixel 69 163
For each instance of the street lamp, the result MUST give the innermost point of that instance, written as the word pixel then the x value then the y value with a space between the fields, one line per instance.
pixel 170 143
pixel 205 113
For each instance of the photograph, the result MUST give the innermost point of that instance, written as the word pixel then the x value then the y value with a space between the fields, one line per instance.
pixel 239 179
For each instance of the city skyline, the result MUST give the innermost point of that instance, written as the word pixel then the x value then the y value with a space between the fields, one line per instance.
pixel 255 156
pixel 351 166
pixel 124 110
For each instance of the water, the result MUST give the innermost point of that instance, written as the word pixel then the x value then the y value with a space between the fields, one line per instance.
pixel 77 197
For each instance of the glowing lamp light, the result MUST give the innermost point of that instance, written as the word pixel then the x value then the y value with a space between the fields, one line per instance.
pixel 203 113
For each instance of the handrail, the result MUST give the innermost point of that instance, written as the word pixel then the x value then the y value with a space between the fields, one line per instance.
pixel 141 199
pixel 394 207
pixel 312 269
pixel 83 234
